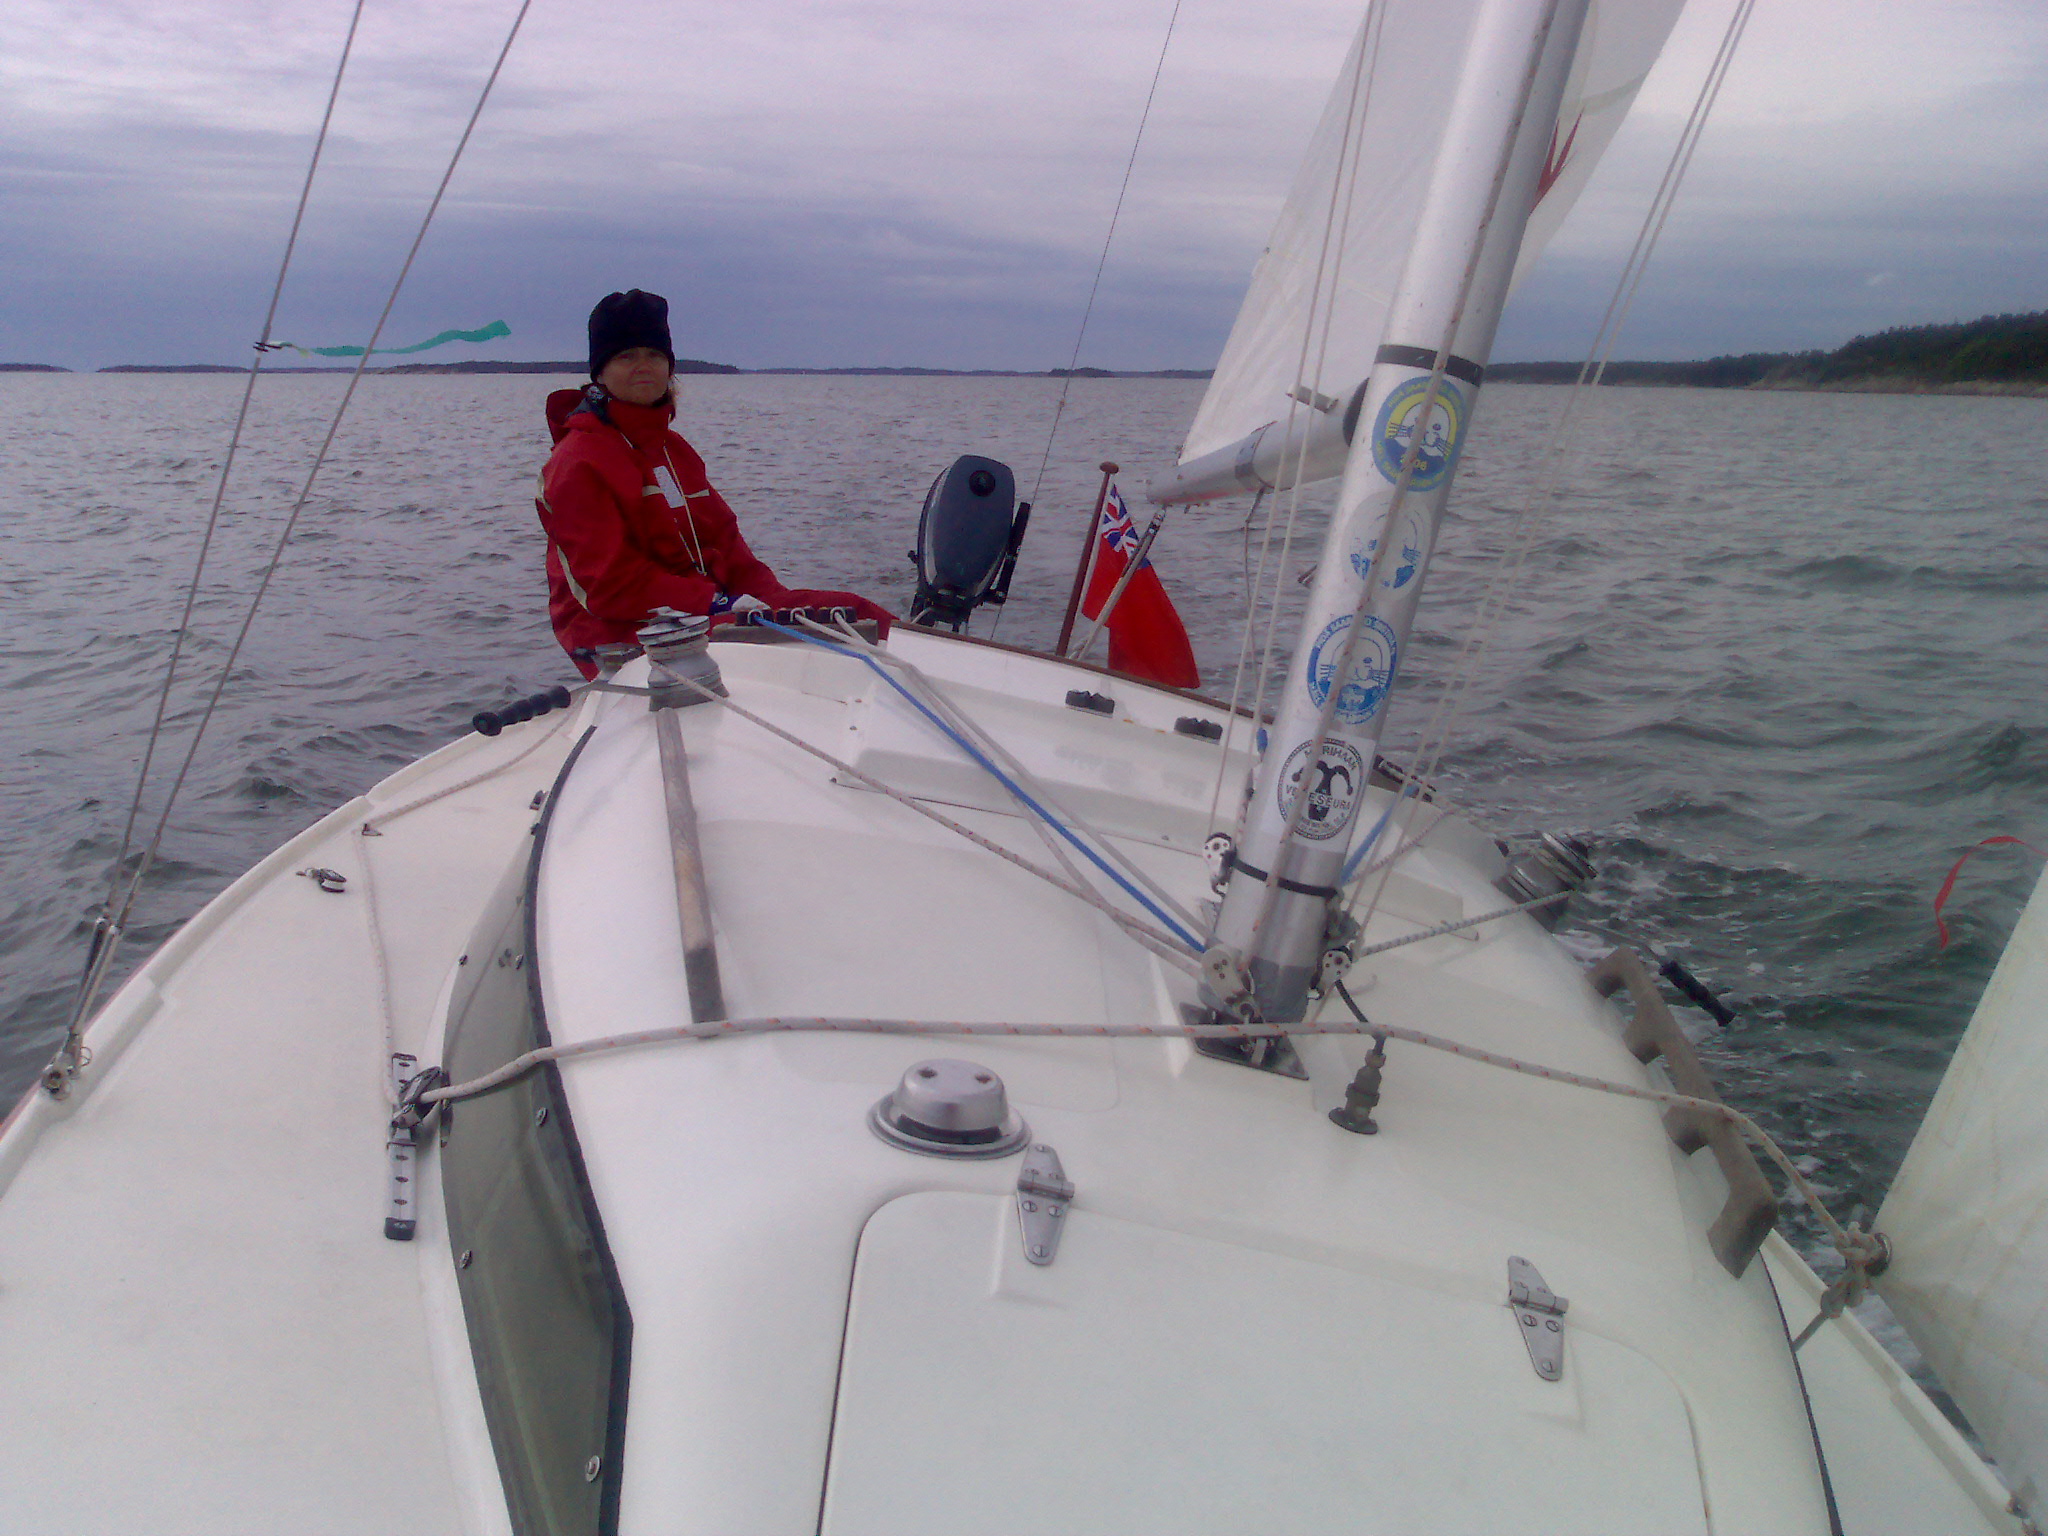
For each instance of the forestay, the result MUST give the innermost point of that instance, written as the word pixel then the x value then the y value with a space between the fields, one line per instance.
pixel 1968 1214
pixel 1316 309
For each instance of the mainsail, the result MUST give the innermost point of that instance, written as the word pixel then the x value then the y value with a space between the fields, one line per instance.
pixel 1316 309
pixel 1968 1214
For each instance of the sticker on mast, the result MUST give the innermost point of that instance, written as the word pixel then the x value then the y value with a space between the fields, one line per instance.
pixel 1333 791
pixel 1372 673
pixel 1394 429
pixel 1402 561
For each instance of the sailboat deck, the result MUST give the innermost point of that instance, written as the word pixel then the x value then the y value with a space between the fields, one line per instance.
pixel 192 1268
pixel 1255 1320
pixel 748 1165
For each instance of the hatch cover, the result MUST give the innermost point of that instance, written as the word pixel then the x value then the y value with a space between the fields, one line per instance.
pixel 1156 1381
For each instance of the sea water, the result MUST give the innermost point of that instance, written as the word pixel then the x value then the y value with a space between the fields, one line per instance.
pixel 1777 656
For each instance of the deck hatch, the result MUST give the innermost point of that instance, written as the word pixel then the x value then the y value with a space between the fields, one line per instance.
pixel 1153 1380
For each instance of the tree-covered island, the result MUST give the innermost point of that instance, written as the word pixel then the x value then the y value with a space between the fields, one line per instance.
pixel 1997 354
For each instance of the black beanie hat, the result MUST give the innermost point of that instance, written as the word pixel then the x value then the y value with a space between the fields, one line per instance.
pixel 630 319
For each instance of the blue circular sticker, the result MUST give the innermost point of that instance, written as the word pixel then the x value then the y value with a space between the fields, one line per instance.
pixel 1394 429
pixel 1372 674
pixel 1403 561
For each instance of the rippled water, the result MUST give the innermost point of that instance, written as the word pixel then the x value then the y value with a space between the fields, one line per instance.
pixel 1778 655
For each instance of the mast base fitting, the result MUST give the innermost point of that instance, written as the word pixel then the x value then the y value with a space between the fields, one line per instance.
pixel 1226 988
pixel 1271 1053
pixel 1262 1053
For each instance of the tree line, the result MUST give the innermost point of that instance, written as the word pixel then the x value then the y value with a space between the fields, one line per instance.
pixel 2004 349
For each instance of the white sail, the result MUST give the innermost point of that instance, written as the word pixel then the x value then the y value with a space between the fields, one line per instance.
pixel 1361 186
pixel 1968 1213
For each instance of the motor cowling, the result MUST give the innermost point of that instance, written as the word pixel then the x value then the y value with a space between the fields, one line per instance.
pixel 968 536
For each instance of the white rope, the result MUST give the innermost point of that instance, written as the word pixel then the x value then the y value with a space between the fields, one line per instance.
pixel 1054 844
pixel 540 739
pixel 1853 1250
pixel 1459 925
pixel 719 1029
pixel 373 827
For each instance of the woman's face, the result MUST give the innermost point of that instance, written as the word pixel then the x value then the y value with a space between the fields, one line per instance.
pixel 638 375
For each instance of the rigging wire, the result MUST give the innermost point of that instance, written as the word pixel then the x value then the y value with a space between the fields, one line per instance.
pixel 1411 460
pixel 1335 245
pixel 1244 645
pixel 1666 196
pixel 112 925
pixel 220 488
pixel 1503 582
pixel 1088 309
pixel 1315 333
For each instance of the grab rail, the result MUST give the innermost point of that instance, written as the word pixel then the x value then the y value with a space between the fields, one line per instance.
pixel 1751 1209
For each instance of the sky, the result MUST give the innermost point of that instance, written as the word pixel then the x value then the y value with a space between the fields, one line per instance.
pixel 847 183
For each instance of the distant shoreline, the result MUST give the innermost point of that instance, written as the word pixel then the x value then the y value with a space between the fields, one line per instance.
pixel 1524 373
pixel 1991 355
pixel 687 366
pixel 1618 376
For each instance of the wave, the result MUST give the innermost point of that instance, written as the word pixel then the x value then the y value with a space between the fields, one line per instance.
pixel 1853 573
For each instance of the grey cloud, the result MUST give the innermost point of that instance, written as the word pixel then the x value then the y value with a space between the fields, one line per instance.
pixel 942 204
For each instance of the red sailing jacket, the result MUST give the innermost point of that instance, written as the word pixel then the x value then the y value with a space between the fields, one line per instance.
pixel 617 548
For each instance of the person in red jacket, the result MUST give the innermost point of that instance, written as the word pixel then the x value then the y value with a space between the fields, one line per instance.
pixel 633 523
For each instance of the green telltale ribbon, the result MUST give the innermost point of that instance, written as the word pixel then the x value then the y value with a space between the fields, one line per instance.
pixel 490 332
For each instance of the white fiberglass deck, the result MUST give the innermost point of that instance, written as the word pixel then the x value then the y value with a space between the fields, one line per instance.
pixel 1255 1320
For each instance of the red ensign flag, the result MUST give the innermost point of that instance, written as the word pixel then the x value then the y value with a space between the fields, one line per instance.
pixel 1146 636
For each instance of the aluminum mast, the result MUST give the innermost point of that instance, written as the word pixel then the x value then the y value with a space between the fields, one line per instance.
pixel 1412 424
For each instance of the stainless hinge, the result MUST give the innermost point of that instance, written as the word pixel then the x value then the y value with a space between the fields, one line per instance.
pixel 1043 1195
pixel 1541 1316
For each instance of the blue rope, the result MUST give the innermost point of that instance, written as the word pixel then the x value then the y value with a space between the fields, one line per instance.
pixel 1002 778
pixel 1358 855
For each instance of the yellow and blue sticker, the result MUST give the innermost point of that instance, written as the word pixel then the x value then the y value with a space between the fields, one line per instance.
pixel 1394 432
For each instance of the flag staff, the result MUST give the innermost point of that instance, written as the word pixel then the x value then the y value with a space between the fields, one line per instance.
pixel 1087 554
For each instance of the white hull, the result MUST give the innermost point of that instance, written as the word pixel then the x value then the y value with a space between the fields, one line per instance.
pixel 1254 1321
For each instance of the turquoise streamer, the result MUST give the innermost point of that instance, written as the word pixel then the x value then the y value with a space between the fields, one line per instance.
pixel 490 332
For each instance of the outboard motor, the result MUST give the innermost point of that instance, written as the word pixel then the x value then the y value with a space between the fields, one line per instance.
pixel 967 541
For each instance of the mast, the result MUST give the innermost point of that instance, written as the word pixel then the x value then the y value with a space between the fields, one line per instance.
pixel 1412 422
